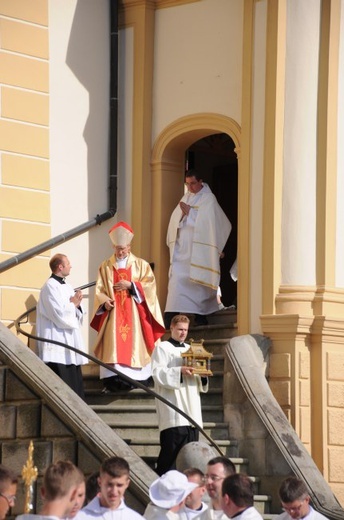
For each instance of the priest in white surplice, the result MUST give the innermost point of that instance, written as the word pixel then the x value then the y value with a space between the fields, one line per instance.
pixel 197 233
pixel 59 317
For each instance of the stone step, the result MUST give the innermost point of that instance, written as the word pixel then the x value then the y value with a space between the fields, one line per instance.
pixel 240 464
pixel 222 331
pixel 140 397
pixel 150 448
pixel 216 431
pixel 263 504
pixel 223 317
pixel 147 413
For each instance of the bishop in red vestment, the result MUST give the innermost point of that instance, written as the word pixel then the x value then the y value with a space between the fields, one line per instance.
pixel 126 310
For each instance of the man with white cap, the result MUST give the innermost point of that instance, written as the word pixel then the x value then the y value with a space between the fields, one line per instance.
pixel 126 313
pixel 168 494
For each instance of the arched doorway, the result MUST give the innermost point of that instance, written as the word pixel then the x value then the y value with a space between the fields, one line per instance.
pixel 167 168
pixel 215 159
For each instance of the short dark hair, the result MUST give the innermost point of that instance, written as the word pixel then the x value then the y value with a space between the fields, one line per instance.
pixel 55 261
pixel 227 464
pixel 193 173
pixel 291 489
pixel 239 488
pixel 7 477
pixel 115 467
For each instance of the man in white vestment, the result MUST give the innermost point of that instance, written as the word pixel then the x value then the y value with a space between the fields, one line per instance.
pixel 180 386
pixel 295 501
pixel 218 469
pixel 59 316
pixel 197 233
pixel 114 480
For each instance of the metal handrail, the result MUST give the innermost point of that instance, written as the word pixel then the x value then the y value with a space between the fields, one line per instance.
pixel 55 241
pixel 126 378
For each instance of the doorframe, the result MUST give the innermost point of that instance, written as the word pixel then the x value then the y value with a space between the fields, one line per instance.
pixel 167 170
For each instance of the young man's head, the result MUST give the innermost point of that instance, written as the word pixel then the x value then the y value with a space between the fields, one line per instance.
pixel 59 490
pixel 8 489
pixel 193 181
pixel 237 494
pixel 294 497
pixel 60 265
pixel 194 500
pixel 113 481
pixel 179 327
pixel 217 470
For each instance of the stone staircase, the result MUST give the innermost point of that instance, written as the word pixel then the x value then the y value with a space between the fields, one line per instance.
pixel 132 415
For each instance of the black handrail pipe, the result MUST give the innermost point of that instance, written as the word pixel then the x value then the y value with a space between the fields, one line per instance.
pixel 55 241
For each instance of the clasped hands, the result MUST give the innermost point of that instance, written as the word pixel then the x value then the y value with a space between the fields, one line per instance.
pixel 76 299
pixel 185 208
pixel 122 285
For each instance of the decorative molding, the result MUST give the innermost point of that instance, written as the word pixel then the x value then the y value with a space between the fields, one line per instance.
pixel 188 129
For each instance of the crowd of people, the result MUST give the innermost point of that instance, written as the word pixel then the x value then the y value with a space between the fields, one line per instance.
pixel 219 494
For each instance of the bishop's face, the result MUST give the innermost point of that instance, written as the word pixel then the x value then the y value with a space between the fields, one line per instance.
pixel 121 252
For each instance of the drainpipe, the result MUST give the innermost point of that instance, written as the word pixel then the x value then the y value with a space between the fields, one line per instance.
pixel 113 131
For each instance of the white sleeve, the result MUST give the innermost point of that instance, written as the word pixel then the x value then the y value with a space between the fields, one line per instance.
pixel 55 306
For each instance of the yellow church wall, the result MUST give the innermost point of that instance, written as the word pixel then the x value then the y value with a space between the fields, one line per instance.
pixel 24 148
pixel 27 172
pixel 24 72
pixel 24 205
pixel 24 38
pixel 180 61
pixel 32 273
pixel 25 106
pixel 25 139
pixel 16 301
pixel 20 236
pixel 35 11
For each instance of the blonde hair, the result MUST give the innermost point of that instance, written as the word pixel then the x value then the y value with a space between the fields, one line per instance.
pixel 59 478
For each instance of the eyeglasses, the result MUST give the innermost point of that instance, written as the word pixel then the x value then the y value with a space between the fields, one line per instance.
pixel 213 478
pixel 10 498
pixel 295 509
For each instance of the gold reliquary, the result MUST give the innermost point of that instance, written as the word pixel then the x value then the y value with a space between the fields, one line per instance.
pixel 198 358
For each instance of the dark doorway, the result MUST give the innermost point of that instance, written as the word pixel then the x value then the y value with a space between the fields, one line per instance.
pixel 215 159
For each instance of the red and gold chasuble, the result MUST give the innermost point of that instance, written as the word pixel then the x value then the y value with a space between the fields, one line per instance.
pixel 128 333
pixel 124 320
